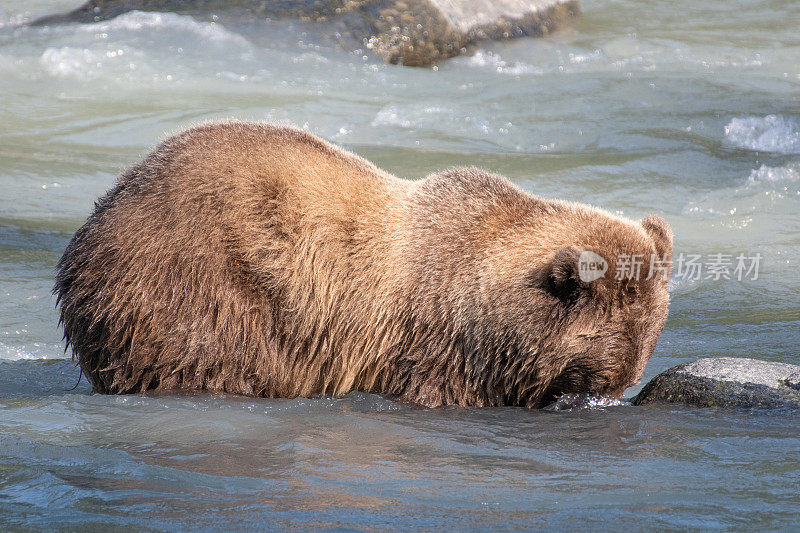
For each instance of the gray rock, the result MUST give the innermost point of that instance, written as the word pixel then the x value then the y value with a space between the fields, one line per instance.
pixel 408 32
pixel 423 32
pixel 726 382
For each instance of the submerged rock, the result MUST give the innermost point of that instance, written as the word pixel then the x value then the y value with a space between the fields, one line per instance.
pixel 726 382
pixel 408 32
pixel 97 10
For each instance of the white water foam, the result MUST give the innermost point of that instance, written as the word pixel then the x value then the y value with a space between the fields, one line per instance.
pixel 765 174
pixel 390 116
pixel 31 350
pixel 129 46
pixel 11 20
pixel 413 116
pixel 772 133
pixel 485 59
pixel 570 401
pixel 68 61
pixel 91 63
pixel 140 21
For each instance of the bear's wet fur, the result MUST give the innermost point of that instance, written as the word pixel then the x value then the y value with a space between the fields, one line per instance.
pixel 258 259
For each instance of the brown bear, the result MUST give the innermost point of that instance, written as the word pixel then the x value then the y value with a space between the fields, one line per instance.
pixel 258 259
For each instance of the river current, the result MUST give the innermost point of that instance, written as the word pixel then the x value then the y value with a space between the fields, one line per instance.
pixel 690 110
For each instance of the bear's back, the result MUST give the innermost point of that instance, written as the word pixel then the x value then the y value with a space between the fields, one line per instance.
pixel 200 250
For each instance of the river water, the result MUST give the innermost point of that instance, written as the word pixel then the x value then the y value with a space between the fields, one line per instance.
pixel 687 109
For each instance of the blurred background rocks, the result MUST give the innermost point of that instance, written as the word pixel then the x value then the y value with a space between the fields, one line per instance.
pixel 408 32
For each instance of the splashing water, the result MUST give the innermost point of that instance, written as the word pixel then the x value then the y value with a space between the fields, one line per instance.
pixel 568 402
pixel 773 133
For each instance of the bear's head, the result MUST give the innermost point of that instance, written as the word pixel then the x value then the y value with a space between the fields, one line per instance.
pixel 544 297
pixel 582 303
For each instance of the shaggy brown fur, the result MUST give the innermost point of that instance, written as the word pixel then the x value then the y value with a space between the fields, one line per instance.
pixel 260 260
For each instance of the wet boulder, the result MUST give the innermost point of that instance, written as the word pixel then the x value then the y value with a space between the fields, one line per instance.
pixel 408 32
pixel 726 382
pixel 423 32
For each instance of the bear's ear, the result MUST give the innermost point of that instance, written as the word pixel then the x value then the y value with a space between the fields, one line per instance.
pixel 660 232
pixel 563 280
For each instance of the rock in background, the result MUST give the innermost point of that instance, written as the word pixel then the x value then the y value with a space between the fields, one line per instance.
pixel 422 32
pixel 726 382
pixel 408 32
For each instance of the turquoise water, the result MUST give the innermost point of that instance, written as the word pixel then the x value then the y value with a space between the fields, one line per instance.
pixel 665 107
